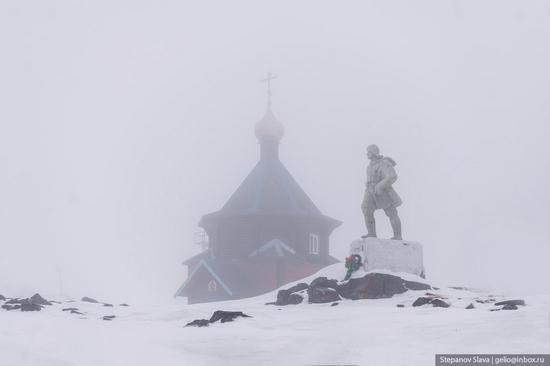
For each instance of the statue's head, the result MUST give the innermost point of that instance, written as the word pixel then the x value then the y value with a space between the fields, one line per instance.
pixel 373 151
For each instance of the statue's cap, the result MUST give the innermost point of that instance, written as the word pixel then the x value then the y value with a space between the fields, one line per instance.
pixel 373 149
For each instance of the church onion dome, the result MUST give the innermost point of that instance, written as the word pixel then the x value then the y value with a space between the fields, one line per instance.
pixel 269 127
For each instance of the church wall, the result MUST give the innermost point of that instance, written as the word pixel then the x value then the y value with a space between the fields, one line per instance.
pixel 296 271
pixel 198 292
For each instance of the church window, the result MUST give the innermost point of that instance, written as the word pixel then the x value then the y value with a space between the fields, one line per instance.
pixel 212 286
pixel 314 243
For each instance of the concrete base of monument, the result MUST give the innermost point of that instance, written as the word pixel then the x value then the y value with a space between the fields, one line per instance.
pixel 393 255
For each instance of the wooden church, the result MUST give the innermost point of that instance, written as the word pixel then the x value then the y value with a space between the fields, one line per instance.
pixel 269 232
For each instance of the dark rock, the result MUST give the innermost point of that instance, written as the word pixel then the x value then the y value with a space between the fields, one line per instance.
pixel 334 304
pixel 486 301
pixel 471 306
pixel 438 303
pixel 299 287
pixel 89 299
pixel 27 305
pixel 227 316
pixel 285 297
pixel 435 288
pixel 294 299
pixel 39 300
pixel 14 301
pixel 69 309
pixel 321 295
pixel 11 307
pixel 494 310
pixel 416 286
pixel 459 288
pixel 422 301
pixel 198 323
pixel 108 305
pixel 509 307
pixel 400 305
pixel 378 286
pixel 108 317
pixel 2 298
pixel 76 312
pixel 282 297
pixel 324 282
pixel 511 302
pixel 123 305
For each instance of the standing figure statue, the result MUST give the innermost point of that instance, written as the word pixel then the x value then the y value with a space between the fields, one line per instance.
pixel 379 193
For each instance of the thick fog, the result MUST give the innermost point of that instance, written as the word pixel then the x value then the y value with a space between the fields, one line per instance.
pixel 123 122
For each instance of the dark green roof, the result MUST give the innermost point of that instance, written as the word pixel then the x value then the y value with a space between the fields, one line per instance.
pixel 271 190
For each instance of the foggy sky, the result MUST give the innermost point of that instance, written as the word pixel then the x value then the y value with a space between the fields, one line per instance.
pixel 123 122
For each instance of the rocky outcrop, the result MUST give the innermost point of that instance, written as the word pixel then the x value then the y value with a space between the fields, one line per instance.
pixel 39 300
pixel 378 286
pixel 438 303
pixel 89 299
pixel 511 303
pixel 27 305
pixel 434 300
pixel 321 295
pixel 227 316
pixel 33 303
pixel 11 307
pixel 422 301
pixel 323 282
pixel 198 323
pixel 288 297
pixel 299 287
pixel 219 315
pixel 371 286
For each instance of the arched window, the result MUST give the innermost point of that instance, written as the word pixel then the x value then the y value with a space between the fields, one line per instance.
pixel 314 243
pixel 212 286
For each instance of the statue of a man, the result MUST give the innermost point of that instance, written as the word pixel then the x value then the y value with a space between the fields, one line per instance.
pixel 379 193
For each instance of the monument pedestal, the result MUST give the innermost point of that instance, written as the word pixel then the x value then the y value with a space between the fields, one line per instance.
pixel 392 255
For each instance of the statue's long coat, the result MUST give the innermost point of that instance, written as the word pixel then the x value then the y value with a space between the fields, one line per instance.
pixel 381 171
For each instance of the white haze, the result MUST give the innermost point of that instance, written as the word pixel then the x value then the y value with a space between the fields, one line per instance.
pixel 122 122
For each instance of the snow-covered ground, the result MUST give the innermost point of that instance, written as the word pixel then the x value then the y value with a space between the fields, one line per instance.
pixel 362 332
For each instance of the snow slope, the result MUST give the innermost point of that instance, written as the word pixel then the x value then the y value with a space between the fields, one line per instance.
pixel 373 332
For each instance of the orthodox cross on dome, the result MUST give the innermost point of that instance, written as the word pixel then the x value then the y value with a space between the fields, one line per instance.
pixel 269 130
pixel 267 80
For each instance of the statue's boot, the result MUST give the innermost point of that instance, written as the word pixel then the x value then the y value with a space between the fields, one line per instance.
pixel 371 228
pixel 395 222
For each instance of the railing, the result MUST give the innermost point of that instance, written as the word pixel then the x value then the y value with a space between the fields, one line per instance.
pixel 201 238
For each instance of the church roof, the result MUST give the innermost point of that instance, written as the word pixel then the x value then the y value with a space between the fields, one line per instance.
pixel 270 189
